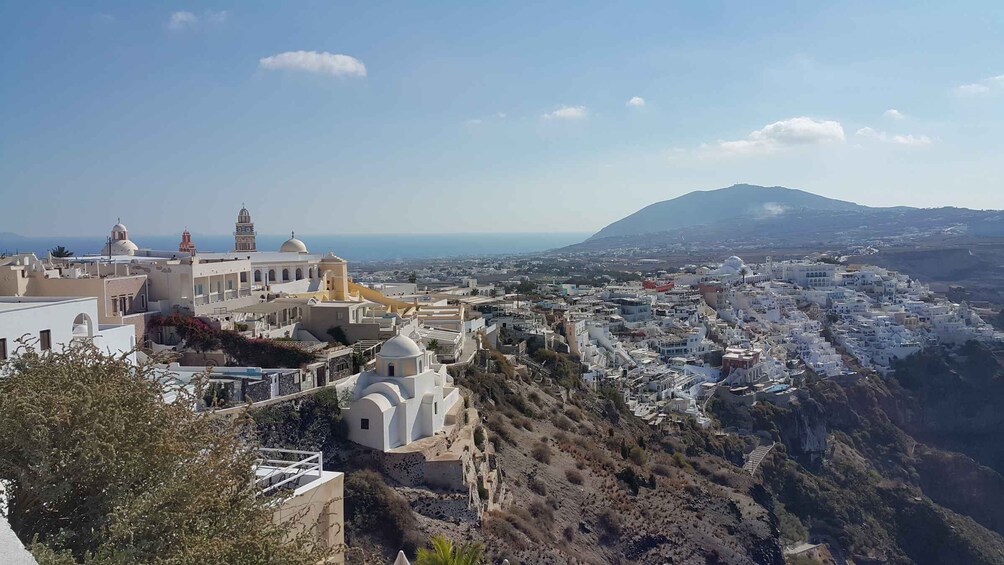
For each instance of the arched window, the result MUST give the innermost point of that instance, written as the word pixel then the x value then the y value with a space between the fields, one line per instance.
pixel 285 274
pixel 299 274
pixel 310 273
pixel 390 370
pixel 271 275
pixel 419 365
pixel 257 276
pixel 82 326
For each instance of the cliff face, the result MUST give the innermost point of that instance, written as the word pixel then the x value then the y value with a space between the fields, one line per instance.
pixel 881 492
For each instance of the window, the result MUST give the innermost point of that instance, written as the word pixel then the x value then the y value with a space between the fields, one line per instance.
pixel 115 305
pixel 3 349
pixel 435 408
pixel 257 276
pixel 230 283
pixel 285 274
pixel 271 275
pixel 364 424
pixel 244 277
pixel 142 302
pixel 199 290
pixel 299 274
pixel 45 340
pixel 390 370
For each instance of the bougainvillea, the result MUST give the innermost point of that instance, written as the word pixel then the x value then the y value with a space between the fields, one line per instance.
pixel 249 352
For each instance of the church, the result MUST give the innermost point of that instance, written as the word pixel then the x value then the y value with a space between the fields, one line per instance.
pixel 401 400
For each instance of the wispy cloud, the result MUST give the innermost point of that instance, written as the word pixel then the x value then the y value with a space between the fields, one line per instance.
pixel 636 102
pixel 990 84
pixel 182 20
pixel 566 113
pixel 314 62
pixel 894 114
pixel 783 134
pixel 897 139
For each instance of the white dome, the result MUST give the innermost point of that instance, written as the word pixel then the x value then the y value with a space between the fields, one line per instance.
pixel 121 247
pixel 119 227
pixel 734 262
pixel 399 347
pixel 293 245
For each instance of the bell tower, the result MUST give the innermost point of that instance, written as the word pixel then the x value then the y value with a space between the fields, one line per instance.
pixel 244 234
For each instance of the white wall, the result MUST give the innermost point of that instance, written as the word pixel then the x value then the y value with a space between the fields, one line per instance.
pixel 28 316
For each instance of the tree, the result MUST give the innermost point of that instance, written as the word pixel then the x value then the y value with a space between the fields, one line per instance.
pixel 444 552
pixel 337 334
pixel 61 252
pixel 97 467
pixel 433 346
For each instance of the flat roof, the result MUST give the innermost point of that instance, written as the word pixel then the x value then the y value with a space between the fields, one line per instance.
pixel 11 303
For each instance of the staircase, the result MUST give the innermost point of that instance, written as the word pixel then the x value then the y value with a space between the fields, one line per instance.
pixel 756 457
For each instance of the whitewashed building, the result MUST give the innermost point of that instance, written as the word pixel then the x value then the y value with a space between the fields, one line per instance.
pixel 52 323
pixel 401 400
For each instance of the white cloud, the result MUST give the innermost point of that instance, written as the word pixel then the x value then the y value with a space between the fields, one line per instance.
pixel 314 62
pixel 785 133
pixel 182 20
pixel 185 20
pixel 982 87
pixel 897 139
pixel 566 113
pixel 501 115
pixel 636 102
pixel 894 114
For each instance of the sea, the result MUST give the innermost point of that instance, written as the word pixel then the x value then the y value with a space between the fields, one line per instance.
pixel 353 247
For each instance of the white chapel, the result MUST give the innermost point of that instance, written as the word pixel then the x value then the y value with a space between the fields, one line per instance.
pixel 402 400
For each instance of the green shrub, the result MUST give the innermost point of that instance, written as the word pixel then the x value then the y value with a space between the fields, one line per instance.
pixel 574 477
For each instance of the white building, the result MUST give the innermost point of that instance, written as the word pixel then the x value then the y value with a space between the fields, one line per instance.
pixel 402 400
pixel 47 323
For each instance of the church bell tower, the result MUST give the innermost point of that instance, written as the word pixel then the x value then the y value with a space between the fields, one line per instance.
pixel 244 234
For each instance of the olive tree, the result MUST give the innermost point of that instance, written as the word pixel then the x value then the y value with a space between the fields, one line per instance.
pixel 97 468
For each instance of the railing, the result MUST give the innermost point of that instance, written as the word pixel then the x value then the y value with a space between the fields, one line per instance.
pixel 291 464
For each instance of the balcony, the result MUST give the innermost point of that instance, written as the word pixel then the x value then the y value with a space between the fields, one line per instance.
pixel 287 469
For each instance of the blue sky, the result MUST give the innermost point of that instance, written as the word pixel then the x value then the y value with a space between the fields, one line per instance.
pixel 439 117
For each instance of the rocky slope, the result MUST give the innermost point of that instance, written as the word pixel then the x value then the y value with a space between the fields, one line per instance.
pixel 880 492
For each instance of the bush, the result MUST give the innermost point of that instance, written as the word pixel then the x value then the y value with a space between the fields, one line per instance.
pixel 479 438
pixel 631 479
pixel 574 476
pixel 373 508
pixel 541 452
pixel 610 523
pixel 638 456
pixel 661 470
pixel 536 485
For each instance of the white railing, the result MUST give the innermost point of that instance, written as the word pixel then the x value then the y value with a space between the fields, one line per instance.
pixel 285 466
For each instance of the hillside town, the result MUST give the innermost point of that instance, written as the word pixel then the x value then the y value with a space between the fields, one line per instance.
pixel 256 327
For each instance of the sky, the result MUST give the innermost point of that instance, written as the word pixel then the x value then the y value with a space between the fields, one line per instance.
pixel 450 117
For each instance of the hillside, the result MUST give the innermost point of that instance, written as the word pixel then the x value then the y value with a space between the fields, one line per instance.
pixel 876 468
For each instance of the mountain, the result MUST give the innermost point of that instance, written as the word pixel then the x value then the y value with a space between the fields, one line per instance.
pixel 708 207
pixel 755 217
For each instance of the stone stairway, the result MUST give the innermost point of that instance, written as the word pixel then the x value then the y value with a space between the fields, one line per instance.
pixel 756 457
